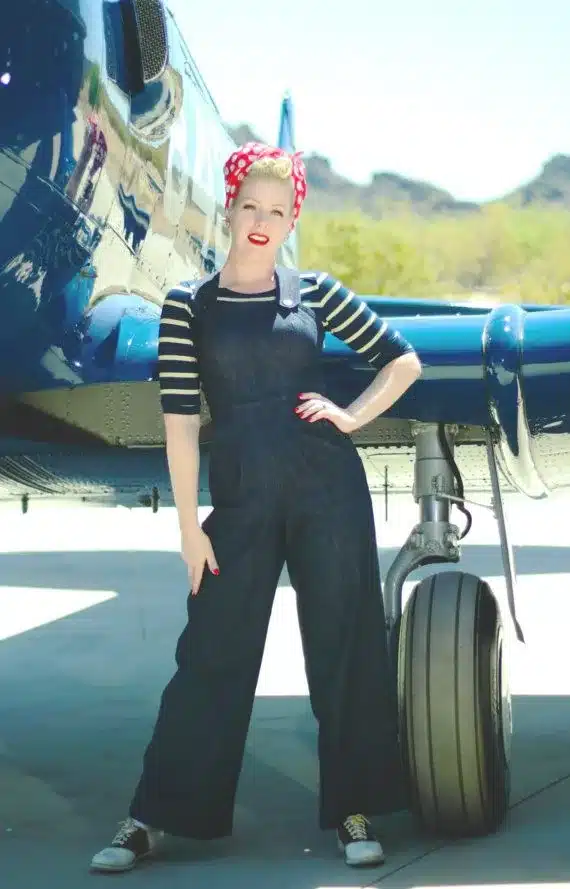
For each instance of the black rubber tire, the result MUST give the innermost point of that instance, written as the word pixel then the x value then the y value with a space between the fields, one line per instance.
pixel 454 706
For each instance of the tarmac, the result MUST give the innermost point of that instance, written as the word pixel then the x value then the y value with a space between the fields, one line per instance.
pixel 92 602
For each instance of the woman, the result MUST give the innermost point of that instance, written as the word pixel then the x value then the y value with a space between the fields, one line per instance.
pixel 287 485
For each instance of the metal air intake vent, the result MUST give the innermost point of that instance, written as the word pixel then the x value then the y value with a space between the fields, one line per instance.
pixel 151 27
pixel 110 42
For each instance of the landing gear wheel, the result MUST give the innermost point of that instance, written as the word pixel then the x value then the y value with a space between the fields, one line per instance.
pixel 454 705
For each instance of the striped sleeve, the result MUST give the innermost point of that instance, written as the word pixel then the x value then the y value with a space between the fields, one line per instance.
pixel 348 317
pixel 178 373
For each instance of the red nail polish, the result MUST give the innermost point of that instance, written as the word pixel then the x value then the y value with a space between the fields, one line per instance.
pixel 216 571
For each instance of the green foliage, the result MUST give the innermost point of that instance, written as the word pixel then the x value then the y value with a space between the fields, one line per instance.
pixel 94 86
pixel 516 254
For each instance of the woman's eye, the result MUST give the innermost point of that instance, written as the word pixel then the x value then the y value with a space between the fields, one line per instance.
pixel 252 207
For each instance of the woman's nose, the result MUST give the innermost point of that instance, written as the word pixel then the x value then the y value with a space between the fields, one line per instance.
pixel 261 215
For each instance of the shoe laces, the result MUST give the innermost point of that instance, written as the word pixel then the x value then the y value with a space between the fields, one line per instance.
pixel 357 827
pixel 126 829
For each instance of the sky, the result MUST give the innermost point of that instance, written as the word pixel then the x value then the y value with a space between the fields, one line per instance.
pixel 473 97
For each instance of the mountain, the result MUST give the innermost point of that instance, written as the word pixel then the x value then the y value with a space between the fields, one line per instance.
pixel 388 192
pixel 551 186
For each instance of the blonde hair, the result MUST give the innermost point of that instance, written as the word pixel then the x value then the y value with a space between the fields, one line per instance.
pixel 272 168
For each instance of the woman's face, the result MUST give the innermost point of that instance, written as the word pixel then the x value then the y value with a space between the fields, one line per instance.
pixel 261 216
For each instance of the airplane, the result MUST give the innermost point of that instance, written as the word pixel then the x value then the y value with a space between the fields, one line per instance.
pixel 111 192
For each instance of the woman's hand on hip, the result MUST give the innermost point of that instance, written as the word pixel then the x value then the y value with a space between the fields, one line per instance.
pixel 197 552
pixel 317 407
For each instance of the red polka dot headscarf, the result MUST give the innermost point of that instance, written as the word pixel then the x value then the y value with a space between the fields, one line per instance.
pixel 238 165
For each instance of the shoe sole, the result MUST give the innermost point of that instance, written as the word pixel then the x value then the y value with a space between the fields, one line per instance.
pixel 109 869
pixel 363 862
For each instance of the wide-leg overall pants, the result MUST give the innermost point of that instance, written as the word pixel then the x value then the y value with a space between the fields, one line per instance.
pixel 284 491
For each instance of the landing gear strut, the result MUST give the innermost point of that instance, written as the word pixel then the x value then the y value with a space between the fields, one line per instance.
pixel 453 697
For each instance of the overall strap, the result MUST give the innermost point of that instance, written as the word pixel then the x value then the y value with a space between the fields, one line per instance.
pixel 194 288
pixel 289 286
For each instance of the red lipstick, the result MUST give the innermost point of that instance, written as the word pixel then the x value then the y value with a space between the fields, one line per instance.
pixel 258 240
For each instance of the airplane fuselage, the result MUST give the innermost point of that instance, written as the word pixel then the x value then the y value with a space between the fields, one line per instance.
pixel 111 189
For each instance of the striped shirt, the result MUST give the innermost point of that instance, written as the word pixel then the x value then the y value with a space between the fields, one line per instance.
pixel 337 310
